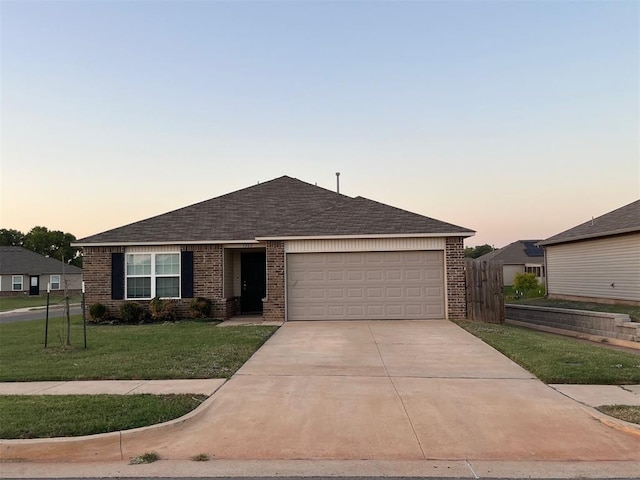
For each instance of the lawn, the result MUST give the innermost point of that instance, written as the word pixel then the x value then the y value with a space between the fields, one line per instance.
pixel 187 349
pixel 555 359
pixel 27 301
pixel 73 415
pixel 632 311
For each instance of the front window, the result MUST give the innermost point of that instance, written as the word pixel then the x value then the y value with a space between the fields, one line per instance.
pixel 16 283
pixel 153 275
pixel 54 282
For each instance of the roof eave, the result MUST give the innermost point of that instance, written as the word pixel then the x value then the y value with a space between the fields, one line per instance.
pixel 153 244
pixel 589 236
pixel 340 237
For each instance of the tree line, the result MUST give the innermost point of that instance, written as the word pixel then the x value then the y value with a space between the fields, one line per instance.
pixel 50 243
pixel 478 251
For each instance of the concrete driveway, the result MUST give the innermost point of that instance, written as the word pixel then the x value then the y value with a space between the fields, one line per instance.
pixel 400 390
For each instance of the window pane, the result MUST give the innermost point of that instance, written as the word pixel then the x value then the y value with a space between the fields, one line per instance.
pixel 139 287
pixel 168 287
pixel 139 264
pixel 55 282
pixel 168 264
pixel 16 282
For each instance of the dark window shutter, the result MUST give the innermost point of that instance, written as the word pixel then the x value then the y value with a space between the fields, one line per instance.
pixel 117 276
pixel 186 274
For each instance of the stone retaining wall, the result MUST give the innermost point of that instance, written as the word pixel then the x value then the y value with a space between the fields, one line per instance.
pixel 603 324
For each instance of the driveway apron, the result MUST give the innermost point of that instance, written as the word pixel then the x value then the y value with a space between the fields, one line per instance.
pixel 401 390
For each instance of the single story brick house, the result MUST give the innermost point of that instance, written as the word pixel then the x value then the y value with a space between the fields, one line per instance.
pixel 23 272
pixel 598 260
pixel 521 256
pixel 289 250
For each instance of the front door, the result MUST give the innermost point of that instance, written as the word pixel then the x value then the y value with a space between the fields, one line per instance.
pixel 253 280
pixel 34 285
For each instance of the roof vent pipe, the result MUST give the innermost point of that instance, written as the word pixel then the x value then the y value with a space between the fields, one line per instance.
pixel 338 182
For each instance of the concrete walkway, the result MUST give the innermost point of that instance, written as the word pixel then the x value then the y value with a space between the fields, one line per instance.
pixel 113 387
pixel 384 391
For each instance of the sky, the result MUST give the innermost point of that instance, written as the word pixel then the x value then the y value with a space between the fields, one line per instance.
pixel 515 119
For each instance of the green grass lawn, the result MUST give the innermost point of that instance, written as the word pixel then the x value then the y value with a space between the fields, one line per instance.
pixel 27 301
pixel 555 359
pixel 632 311
pixel 73 415
pixel 187 349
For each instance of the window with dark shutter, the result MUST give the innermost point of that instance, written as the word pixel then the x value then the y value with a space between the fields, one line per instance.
pixel 186 275
pixel 117 276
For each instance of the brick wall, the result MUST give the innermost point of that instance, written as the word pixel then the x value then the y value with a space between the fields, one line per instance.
pixel 207 279
pixel 274 306
pixel 456 292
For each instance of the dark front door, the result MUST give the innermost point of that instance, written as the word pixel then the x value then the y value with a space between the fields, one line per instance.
pixel 34 285
pixel 253 278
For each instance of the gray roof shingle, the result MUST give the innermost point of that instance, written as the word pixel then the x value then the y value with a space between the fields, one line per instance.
pixel 622 220
pixel 283 207
pixel 519 252
pixel 20 261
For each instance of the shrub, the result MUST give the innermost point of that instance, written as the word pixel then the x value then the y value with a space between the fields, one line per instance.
pixel 132 312
pixel 97 312
pixel 526 284
pixel 200 307
pixel 162 310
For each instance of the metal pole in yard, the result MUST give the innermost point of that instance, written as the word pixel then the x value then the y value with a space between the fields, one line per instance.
pixel 84 317
pixel 46 321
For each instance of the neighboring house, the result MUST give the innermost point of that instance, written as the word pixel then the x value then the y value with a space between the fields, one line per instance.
pixel 289 250
pixel 598 260
pixel 25 272
pixel 522 256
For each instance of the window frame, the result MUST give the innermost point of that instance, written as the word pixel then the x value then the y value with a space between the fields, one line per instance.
pixel 153 275
pixel 14 283
pixel 51 282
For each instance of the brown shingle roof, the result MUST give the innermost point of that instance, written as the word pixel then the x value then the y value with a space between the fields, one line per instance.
pixel 281 207
pixel 20 261
pixel 519 252
pixel 622 220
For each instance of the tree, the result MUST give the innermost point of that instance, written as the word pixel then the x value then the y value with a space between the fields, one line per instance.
pixel 478 251
pixel 11 238
pixel 53 243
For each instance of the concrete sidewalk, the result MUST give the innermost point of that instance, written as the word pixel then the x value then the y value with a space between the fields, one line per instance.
pixel 591 395
pixel 114 387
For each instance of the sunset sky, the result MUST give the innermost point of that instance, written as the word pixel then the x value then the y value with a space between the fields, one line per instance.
pixel 515 119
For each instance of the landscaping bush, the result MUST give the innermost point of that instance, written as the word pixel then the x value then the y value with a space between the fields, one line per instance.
pixel 200 307
pixel 132 312
pixel 98 312
pixel 526 285
pixel 162 310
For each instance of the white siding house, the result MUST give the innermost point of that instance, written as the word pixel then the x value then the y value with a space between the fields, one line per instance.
pixel 598 260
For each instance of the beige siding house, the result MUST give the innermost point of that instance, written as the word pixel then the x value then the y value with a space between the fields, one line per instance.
pixel 23 272
pixel 598 260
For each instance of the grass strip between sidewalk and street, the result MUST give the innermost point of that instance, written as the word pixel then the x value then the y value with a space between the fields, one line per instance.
pixel 556 359
pixel 186 349
pixel 628 413
pixel 47 416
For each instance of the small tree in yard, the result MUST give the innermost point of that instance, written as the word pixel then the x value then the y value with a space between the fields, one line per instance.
pixel 526 283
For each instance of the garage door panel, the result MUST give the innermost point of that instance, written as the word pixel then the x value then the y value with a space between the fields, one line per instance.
pixel 361 285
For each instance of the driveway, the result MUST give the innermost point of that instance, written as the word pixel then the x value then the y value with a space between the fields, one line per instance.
pixel 405 390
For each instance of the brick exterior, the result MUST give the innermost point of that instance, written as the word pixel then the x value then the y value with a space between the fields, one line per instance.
pixel 274 306
pixel 456 280
pixel 207 279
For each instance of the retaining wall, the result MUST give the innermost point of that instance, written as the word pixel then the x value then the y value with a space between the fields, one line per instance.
pixel 602 324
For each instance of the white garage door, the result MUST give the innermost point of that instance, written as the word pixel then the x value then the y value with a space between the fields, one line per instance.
pixel 365 285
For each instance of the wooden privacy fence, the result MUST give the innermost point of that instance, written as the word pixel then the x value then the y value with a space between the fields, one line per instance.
pixel 485 291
